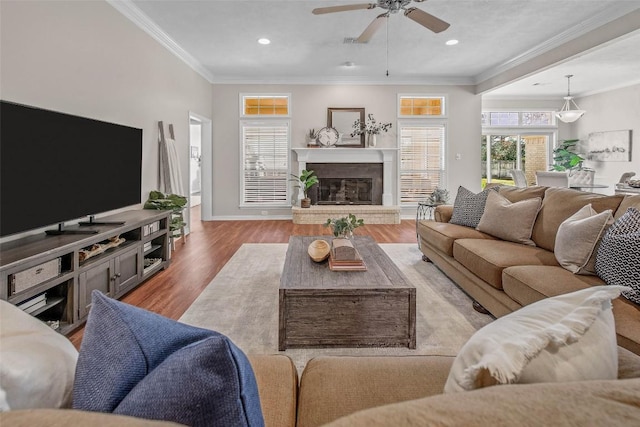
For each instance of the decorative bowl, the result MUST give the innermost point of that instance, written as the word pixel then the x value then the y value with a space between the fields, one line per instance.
pixel 319 250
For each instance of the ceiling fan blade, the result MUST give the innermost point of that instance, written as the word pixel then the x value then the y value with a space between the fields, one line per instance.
pixel 372 28
pixel 332 9
pixel 427 20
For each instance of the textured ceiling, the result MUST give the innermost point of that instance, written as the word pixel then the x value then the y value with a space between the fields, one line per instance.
pixel 222 37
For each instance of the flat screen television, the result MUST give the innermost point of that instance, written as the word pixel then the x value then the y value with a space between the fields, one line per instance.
pixel 57 167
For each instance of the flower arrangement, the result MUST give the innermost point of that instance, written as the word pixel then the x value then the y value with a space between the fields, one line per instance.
pixel 343 227
pixel 370 126
pixel 439 196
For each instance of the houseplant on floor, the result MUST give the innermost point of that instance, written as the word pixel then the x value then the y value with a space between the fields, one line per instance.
pixel 307 180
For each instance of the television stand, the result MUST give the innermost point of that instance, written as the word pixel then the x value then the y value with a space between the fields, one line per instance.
pixel 61 230
pixel 92 221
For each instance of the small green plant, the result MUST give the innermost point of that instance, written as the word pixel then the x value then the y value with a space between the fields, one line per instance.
pixel 439 195
pixel 343 227
pixel 164 202
pixel 564 159
pixel 307 179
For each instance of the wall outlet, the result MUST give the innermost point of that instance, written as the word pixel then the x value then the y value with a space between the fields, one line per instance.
pixel 458 156
pixel 264 212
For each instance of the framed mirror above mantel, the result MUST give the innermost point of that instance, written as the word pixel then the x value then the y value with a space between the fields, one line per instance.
pixel 342 120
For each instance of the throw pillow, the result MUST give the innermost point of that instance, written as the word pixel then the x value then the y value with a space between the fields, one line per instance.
pixel 617 256
pixel 569 337
pixel 37 364
pixel 509 221
pixel 469 206
pixel 578 237
pixel 134 362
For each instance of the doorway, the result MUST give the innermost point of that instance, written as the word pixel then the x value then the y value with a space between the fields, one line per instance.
pixel 200 167
pixel 502 152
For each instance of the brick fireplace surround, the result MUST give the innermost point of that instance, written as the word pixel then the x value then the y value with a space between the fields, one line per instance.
pixel 385 213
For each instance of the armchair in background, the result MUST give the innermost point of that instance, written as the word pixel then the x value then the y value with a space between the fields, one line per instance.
pixel 519 178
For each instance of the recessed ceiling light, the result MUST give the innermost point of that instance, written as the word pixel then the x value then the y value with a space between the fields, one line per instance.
pixel 452 42
pixel 264 41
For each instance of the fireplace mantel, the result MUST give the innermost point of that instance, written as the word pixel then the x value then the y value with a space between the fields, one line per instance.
pixel 386 156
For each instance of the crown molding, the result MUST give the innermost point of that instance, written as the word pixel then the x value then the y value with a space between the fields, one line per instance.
pixel 593 23
pixel 353 81
pixel 135 15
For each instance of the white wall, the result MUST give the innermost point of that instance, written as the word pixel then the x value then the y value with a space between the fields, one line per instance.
pixel 309 110
pixel 615 110
pixel 87 59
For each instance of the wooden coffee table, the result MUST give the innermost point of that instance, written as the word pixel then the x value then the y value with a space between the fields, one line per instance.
pixel 323 308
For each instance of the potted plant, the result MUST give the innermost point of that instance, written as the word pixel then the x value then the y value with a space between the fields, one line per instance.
pixel 343 227
pixel 564 159
pixel 439 196
pixel 173 202
pixel 307 180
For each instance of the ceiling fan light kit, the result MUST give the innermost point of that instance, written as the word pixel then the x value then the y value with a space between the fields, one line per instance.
pixel 566 113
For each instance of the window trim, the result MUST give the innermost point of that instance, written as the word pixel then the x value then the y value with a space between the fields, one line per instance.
pixel 244 95
pixel 443 96
pixel 269 121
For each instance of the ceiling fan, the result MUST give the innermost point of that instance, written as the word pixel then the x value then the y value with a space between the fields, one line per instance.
pixel 392 6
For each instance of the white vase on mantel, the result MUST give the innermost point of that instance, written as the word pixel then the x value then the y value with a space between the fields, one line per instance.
pixel 371 140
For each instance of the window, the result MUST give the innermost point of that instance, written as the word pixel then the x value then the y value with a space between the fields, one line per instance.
pixel 265 105
pixel 421 106
pixel 421 160
pixel 265 163
pixel 517 118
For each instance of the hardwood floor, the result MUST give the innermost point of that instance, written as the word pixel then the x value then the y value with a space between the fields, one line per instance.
pixel 211 244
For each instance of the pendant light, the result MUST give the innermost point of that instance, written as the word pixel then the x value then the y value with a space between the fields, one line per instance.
pixel 566 114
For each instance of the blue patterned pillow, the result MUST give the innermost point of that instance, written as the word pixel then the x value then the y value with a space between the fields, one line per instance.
pixel 469 206
pixel 617 256
pixel 134 362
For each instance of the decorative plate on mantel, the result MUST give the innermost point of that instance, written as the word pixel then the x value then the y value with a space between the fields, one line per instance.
pixel 327 137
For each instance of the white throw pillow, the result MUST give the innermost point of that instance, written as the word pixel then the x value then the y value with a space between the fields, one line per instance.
pixel 37 364
pixel 569 337
pixel 577 239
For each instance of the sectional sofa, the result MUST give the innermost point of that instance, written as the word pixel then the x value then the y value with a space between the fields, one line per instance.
pixel 503 276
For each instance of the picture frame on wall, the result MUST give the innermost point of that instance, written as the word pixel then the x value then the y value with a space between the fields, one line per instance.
pixel 342 120
pixel 609 146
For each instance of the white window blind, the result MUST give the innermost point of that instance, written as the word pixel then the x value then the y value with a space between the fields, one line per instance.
pixel 421 161
pixel 265 157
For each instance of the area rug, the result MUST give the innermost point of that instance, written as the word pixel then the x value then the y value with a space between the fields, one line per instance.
pixel 242 303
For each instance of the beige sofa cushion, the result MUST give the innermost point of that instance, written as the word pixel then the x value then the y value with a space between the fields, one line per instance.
pixel 332 387
pixel 627 315
pixel 515 194
pixel 628 202
pixel 441 235
pixel 487 258
pixel 526 284
pixel 68 417
pixel 559 204
pixel 277 380
pixel 511 221
pixel 606 403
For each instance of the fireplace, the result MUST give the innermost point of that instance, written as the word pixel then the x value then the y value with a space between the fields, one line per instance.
pixel 347 183
pixel 386 158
